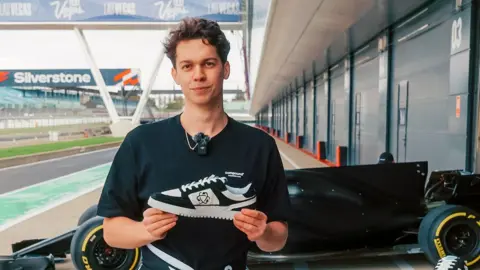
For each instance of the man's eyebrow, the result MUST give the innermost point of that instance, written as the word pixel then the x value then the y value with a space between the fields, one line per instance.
pixel 211 58
pixel 204 60
pixel 185 61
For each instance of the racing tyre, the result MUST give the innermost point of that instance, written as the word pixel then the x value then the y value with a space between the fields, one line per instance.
pixel 451 230
pixel 89 250
pixel 88 214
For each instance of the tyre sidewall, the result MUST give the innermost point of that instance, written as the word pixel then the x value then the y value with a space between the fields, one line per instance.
pixel 83 245
pixel 434 228
pixel 89 213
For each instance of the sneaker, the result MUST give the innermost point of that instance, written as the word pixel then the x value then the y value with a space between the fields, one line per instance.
pixel 451 263
pixel 209 197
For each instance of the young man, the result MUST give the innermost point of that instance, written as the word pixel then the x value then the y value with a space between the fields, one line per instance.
pixel 189 209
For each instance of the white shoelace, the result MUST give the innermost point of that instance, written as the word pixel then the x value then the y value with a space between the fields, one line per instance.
pixel 202 182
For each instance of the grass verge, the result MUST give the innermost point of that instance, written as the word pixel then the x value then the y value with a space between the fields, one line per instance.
pixel 48 147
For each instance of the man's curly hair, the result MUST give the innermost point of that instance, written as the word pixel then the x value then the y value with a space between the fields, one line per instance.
pixel 197 28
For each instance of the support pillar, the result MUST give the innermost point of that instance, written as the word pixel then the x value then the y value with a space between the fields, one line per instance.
pixel 144 97
pixel 97 75
pixel 119 127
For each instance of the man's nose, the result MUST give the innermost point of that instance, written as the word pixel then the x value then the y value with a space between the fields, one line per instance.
pixel 198 73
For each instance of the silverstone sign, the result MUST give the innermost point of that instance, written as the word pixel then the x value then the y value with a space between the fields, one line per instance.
pixel 67 78
pixel 59 11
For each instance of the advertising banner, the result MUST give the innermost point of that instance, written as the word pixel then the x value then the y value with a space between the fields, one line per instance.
pixel 67 77
pixel 118 10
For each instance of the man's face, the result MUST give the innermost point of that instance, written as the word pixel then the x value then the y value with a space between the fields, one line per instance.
pixel 199 72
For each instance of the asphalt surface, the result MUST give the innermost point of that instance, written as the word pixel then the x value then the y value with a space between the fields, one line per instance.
pixel 18 177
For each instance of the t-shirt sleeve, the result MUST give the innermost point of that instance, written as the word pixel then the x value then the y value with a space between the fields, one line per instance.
pixel 274 199
pixel 119 195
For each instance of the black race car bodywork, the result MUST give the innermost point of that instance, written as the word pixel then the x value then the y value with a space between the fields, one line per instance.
pixel 344 209
pixel 379 209
pixel 353 207
pixel 336 209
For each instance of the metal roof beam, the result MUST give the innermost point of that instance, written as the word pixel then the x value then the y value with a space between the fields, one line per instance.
pixel 105 25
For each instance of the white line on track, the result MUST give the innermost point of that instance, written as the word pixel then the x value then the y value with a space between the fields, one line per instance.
pixel 289 160
pixel 48 207
pixel 56 159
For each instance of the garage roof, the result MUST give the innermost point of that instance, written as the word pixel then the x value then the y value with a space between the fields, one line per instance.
pixel 300 32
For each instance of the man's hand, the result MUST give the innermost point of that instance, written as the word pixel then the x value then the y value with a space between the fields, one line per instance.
pixel 158 223
pixel 252 222
pixel 269 237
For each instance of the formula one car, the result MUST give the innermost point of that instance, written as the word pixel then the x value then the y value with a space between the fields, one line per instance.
pixel 378 209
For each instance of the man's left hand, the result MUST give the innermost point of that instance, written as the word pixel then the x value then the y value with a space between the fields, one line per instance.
pixel 252 222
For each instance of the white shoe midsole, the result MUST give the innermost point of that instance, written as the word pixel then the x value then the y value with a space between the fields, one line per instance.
pixel 224 212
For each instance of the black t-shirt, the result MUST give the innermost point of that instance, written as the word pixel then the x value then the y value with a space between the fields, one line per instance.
pixel 156 157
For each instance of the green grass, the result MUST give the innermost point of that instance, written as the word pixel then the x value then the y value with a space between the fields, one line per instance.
pixel 48 147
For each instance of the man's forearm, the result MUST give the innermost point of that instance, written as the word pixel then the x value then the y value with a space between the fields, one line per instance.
pixel 122 232
pixel 275 237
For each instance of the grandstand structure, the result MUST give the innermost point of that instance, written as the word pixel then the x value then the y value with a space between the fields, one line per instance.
pixel 16 102
pixel 42 106
pixel 47 106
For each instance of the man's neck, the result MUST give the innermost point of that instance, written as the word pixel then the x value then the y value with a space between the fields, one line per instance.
pixel 208 121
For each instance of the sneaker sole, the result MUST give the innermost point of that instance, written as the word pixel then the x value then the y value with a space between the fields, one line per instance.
pixel 219 212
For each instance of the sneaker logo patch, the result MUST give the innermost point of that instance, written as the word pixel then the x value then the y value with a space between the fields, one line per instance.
pixel 203 197
pixel 234 174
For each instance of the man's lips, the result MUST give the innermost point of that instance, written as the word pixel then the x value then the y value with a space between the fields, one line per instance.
pixel 200 88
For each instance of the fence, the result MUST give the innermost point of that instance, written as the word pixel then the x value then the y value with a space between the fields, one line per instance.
pixel 49 122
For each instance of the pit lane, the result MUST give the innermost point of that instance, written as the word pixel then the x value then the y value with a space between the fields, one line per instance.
pixel 64 217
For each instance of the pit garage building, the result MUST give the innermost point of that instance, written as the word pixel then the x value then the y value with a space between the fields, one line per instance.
pixel 347 80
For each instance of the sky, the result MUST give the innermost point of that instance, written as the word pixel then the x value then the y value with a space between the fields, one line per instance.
pixel 54 49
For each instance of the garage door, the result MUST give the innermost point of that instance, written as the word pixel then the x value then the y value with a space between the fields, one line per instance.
pixel 275 116
pixel 301 111
pixel 291 126
pixel 280 117
pixel 309 143
pixel 429 95
pixel 367 139
pixel 284 117
pixel 289 113
pixel 322 109
pixel 278 120
pixel 339 121
pixel 294 117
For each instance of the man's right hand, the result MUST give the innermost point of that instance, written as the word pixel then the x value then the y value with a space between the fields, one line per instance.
pixel 158 223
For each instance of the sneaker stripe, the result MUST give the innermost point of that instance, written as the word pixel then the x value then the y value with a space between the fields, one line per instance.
pixel 233 196
pixel 243 204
